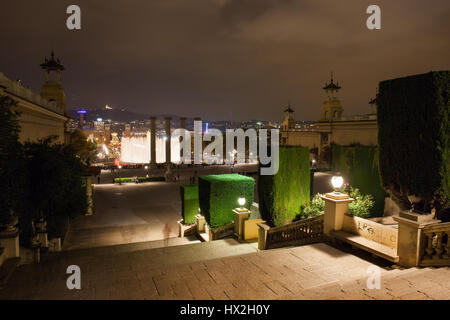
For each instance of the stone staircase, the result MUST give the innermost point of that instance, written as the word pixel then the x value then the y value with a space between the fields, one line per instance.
pixel 221 269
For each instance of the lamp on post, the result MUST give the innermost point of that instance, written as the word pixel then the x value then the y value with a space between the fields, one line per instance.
pixel 241 202
pixel 241 214
pixel 336 207
pixel 337 182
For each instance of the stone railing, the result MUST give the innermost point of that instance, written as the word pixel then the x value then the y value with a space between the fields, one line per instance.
pixel 297 233
pixel 16 89
pixel 436 251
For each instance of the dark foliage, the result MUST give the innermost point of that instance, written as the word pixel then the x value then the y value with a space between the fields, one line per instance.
pixel 414 138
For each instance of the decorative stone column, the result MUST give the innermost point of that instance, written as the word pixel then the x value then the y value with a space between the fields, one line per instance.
pixel 168 136
pixel 9 240
pixel 41 230
pixel 411 241
pixel 198 144
pixel 335 209
pixel 153 142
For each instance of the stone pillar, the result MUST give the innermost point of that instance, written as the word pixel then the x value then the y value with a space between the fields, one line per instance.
pixel 262 235
pixel 201 222
pixel 153 142
pixel 168 135
pixel 411 241
pixel 9 240
pixel 239 217
pixel 198 144
pixel 41 230
pixel 335 209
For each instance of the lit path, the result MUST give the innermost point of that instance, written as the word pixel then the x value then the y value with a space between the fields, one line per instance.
pixel 222 269
pixel 130 212
pixel 127 213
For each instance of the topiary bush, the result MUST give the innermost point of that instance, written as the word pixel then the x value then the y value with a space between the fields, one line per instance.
pixel 189 202
pixel 282 195
pixel 414 139
pixel 218 195
pixel 359 165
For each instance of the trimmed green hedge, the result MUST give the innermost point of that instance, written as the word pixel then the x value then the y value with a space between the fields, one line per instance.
pixel 281 196
pixel 414 138
pixel 218 196
pixel 140 179
pixel 189 202
pixel 359 166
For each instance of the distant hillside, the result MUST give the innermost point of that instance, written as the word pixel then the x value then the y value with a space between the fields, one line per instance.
pixel 116 115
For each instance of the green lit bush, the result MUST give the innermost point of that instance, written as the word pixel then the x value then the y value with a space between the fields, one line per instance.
pixel 140 179
pixel 414 139
pixel 361 207
pixel 359 165
pixel 314 208
pixel 282 195
pixel 218 195
pixel 189 202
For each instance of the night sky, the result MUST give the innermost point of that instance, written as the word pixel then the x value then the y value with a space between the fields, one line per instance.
pixel 223 59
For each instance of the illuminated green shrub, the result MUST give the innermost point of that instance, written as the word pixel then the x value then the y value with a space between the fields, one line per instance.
pixel 189 202
pixel 281 196
pixel 359 167
pixel 218 195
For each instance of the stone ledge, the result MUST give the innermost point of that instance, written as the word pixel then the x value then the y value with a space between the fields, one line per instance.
pixel 375 248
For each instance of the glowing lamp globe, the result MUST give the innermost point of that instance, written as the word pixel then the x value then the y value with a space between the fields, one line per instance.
pixel 241 202
pixel 337 182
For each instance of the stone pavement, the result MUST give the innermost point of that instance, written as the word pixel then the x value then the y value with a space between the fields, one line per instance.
pixel 127 213
pixel 222 269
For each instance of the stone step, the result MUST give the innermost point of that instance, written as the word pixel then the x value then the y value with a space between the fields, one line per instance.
pixel 360 242
pixel 155 257
pixel 130 247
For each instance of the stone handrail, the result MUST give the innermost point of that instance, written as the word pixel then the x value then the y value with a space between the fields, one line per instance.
pixel 297 233
pixel 436 250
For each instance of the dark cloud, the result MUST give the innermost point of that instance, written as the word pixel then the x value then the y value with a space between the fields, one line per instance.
pixel 223 58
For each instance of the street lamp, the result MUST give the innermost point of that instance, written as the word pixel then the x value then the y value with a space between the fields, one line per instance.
pixel 337 182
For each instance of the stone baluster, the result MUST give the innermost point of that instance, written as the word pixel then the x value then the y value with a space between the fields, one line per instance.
pixel 429 249
pixel 439 247
pixel 447 247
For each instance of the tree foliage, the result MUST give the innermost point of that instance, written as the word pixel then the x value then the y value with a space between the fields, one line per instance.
pixel 414 139
pixel 12 173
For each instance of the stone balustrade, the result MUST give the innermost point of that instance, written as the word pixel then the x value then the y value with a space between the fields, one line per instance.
pixel 436 251
pixel 297 233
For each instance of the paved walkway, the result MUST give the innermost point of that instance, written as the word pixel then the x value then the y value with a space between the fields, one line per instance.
pixel 127 213
pixel 131 213
pixel 221 269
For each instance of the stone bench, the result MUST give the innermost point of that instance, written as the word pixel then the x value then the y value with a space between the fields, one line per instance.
pixel 363 243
